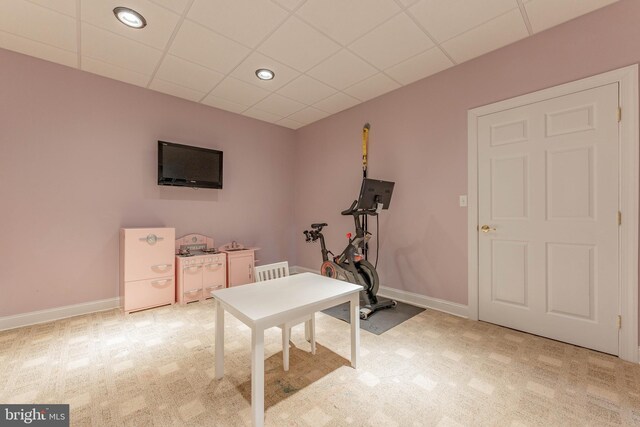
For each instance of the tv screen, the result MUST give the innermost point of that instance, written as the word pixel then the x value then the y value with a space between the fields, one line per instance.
pixel 186 166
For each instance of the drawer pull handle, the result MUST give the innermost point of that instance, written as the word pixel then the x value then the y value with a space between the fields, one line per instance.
pixel 151 239
pixel 193 291
pixel 214 287
pixel 161 282
pixel 162 266
pixel 191 267
pixel 218 264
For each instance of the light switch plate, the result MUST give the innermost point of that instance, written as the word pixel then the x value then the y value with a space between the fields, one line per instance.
pixel 463 201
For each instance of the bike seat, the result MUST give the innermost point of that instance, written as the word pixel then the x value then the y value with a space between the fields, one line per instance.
pixel 324 224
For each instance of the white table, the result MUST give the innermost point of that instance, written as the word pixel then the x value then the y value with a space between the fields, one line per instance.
pixel 271 303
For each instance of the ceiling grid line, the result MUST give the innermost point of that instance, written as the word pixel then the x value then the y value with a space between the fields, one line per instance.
pixel 525 17
pixel 493 18
pixel 41 42
pixel 170 41
pixel 50 8
pixel 79 32
pixel 427 33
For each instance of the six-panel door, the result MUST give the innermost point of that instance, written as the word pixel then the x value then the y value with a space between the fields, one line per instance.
pixel 548 204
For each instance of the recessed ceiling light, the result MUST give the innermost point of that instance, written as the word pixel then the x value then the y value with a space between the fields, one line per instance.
pixel 130 17
pixel 264 74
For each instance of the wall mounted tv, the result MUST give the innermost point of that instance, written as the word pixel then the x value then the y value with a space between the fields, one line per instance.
pixel 186 166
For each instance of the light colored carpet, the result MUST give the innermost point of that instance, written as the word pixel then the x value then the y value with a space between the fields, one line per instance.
pixel 156 368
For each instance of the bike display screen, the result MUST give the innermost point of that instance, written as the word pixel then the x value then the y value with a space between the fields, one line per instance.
pixel 374 191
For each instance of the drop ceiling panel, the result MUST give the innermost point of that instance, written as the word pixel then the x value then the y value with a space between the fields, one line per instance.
pixel 336 103
pixel 245 21
pixel 492 35
pixel 445 19
pixel 392 42
pixel 113 72
pixel 407 3
pixel 202 46
pixel 342 70
pixel 298 45
pixel 308 115
pixel 262 115
pixel 372 87
pixel 176 90
pixel 345 21
pixel 38 49
pixel 291 124
pixel 188 74
pixel 420 66
pixel 246 72
pixel 39 24
pixel 68 7
pixel 280 105
pixel 117 50
pixel 545 14
pixel 223 104
pixel 306 90
pixel 239 92
pixel 160 21
pixel 289 4
pixel 177 6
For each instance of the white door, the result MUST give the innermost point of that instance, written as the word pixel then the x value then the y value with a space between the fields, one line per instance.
pixel 548 202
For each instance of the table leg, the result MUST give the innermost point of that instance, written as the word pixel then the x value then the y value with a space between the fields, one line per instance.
pixel 312 333
pixel 257 377
pixel 286 337
pixel 219 340
pixel 355 330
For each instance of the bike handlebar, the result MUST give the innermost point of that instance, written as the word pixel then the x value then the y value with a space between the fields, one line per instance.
pixel 353 211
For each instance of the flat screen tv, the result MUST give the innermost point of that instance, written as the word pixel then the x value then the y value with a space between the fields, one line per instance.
pixel 187 166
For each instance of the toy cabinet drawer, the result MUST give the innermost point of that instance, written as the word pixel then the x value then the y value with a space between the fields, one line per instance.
pixel 206 292
pixel 214 272
pixel 191 295
pixel 148 253
pixel 149 293
pixel 191 278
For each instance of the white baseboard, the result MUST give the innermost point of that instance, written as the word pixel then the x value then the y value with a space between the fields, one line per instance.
pixel 408 297
pixel 296 269
pixel 42 316
pixel 423 301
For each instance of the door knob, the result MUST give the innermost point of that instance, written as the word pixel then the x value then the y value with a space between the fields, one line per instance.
pixel 486 229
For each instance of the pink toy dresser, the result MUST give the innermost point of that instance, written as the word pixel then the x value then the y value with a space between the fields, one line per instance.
pixel 147 273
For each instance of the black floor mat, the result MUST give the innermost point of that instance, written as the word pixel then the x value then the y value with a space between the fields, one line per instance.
pixel 380 321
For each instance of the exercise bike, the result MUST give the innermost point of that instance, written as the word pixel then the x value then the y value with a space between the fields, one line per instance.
pixel 350 265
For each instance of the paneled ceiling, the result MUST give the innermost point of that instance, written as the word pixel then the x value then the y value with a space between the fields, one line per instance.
pixel 327 55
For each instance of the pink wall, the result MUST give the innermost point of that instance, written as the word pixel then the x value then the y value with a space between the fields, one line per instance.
pixel 78 161
pixel 78 155
pixel 419 140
